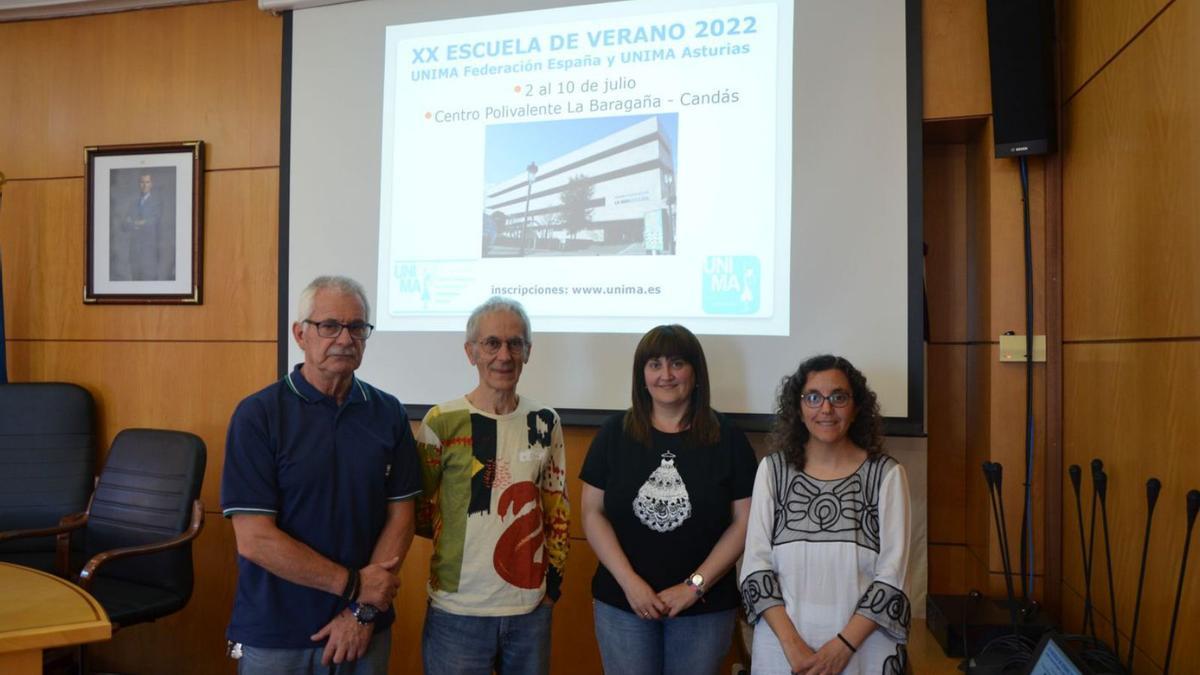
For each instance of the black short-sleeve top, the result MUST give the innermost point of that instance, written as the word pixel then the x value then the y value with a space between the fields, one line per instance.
pixel 668 505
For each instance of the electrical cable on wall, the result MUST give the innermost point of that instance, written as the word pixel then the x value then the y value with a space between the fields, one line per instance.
pixel 1027 552
pixel 1021 65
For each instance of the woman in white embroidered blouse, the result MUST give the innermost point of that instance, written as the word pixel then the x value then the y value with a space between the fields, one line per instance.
pixel 827 540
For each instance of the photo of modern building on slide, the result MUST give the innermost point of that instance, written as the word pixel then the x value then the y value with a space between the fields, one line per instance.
pixel 597 186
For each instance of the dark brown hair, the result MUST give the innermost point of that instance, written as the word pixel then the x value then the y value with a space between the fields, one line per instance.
pixel 673 341
pixel 789 434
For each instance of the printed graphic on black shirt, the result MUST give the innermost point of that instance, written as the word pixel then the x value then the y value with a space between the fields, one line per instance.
pixel 662 503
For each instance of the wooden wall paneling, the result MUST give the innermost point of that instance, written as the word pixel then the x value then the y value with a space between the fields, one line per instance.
pixel 573 648
pixel 1008 448
pixel 1133 405
pixel 193 639
pixel 1131 213
pixel 945 199
pixel 992 266
pixel 1129 244
pixel 948 569
pixel 978 241
pixel 578 440
pixel 947 444
pixel 1097 368
pixel 955 59
pixel 207 71
pixel 996 587
pixel 1072 551
pixel 1055 472
pixel 957 130
pixel 241 234
pixel 410 603
pixel 1071 619
pixel 979 422
pixel 191 386
pixel 976 571
pixel 1093 32
pixel 1006 250
pixel 43 235
pixel 1144 662
pixel 925 654
pixel 761 442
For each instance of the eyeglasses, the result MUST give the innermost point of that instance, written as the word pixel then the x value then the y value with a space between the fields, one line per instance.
pixel 359 330
pixel 491 345
pixel 815 399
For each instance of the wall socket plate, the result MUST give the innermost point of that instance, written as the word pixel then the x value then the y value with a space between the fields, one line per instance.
pixel 1012 348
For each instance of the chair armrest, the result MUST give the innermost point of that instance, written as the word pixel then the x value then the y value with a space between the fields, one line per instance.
pixel 62 544
pixel 89 570
pixel 66 525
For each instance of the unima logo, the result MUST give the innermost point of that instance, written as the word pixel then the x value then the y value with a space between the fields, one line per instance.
pixel 731 284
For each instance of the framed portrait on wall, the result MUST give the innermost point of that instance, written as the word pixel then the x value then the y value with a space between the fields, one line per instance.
pixel 145 207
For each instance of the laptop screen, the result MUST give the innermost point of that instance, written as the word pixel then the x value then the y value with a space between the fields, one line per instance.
pixel 1052 659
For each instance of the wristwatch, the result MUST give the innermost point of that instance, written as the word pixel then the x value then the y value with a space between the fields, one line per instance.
pixel 696 581
pixel 363 613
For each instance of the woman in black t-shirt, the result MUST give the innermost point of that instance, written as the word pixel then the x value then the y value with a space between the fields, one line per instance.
pixel 666 496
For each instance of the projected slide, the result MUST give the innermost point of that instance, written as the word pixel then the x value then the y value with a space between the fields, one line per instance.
pixel 612 166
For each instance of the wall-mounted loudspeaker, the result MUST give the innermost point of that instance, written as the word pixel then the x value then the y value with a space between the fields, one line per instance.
pixel 1020 41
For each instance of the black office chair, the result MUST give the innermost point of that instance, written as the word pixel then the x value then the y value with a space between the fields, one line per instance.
pixel 47 461
pixel 138 528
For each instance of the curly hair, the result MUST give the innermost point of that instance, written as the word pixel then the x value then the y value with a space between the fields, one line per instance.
pixel 790 436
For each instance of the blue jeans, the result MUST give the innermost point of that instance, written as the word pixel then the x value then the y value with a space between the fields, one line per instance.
pixel 453 644
pixel 260 661
pixel 685 645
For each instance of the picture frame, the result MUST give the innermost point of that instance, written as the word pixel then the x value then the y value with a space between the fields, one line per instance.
pixel 145 208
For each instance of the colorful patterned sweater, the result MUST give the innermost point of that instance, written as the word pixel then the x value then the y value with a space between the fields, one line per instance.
pixel 495 503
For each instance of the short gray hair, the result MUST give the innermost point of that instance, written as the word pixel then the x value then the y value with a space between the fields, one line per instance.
pixel 340 284
pixel 497 303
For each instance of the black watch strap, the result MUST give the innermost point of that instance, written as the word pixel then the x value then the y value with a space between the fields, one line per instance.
pixel 364 614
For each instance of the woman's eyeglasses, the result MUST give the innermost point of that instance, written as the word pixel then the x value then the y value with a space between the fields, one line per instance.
pixel 815 399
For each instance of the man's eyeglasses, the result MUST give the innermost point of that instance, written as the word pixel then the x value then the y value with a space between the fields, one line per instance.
pixel 491 345
pixel 359 330
pixel 815 399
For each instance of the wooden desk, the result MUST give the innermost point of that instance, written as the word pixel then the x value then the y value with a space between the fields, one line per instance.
pixel 39 611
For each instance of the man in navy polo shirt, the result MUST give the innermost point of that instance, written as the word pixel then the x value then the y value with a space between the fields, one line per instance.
pixel 320 476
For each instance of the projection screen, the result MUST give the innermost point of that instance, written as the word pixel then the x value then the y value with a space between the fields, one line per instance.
pixel 748 169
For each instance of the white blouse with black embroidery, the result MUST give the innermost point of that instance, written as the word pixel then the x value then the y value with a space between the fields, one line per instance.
pixel 826 550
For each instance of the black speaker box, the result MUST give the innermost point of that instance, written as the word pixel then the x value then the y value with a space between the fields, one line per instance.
pixel 965 620
pixel 1020 50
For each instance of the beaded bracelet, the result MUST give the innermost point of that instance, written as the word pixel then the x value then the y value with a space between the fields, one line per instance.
pixel 350 592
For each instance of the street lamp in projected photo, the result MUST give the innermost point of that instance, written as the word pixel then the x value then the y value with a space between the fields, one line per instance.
pixel 530 172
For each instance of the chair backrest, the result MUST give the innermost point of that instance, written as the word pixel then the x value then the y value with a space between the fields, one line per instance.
pixel 144 496
pixel 47 457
